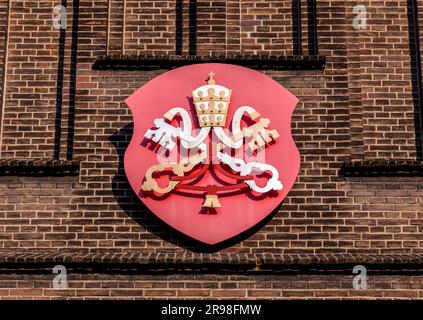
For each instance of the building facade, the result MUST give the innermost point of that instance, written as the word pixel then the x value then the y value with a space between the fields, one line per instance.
pixel 65 200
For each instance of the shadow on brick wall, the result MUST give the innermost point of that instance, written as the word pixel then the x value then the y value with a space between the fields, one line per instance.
pixel 155 227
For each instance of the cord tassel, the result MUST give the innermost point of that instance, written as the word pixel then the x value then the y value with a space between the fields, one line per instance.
pixel 211 201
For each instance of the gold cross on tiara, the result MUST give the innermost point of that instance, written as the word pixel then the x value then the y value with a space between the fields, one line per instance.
pixel 211 79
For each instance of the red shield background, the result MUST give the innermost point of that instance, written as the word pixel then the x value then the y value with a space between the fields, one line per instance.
pixel 249 88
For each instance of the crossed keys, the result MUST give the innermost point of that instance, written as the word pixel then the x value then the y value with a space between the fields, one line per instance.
pixel 256 137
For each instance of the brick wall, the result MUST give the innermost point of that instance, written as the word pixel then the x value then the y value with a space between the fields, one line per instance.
pixel 3 43
pixel 385 81
pixel 30 93
pixel 360 106
pixel 210 286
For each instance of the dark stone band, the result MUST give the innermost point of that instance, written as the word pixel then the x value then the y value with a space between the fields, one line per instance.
pixel 377 168
pixel 106 260
pixel 122 62
pixel 38 167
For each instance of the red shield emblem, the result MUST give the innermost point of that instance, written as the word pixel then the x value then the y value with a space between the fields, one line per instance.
pixel 212 152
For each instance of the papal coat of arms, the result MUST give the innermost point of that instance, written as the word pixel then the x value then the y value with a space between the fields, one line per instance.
pixel 212 152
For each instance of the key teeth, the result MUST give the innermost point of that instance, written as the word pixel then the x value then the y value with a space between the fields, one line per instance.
pixel 262 139
pixel 252 145
pixel 272 135
pixel 264 122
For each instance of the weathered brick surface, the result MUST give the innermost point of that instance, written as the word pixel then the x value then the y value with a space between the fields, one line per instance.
pixel 360 106
pixel 385 82
pixel 3 44
pixel 28 112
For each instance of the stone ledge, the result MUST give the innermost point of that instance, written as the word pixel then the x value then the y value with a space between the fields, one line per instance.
pixel 38 167
pixel 124 62
pixel 162 262
pixel 377 168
